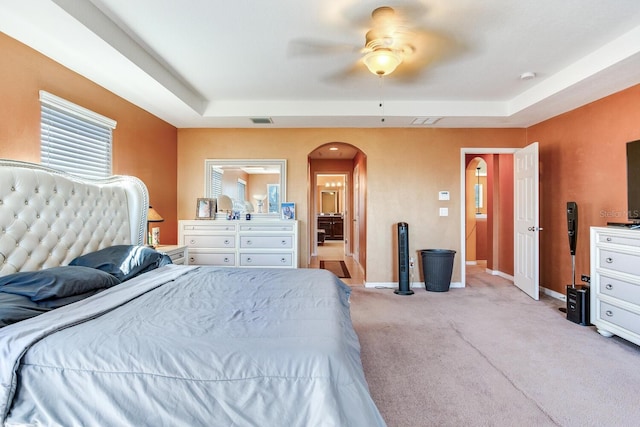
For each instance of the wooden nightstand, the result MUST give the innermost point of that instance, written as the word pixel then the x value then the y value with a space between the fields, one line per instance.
pixel 177 253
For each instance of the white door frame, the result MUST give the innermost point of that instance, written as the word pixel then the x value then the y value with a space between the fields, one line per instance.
pixel 463 201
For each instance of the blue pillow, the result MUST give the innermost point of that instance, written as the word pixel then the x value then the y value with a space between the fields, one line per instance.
pixel 123 261
pixel 56 282
pixel 14 308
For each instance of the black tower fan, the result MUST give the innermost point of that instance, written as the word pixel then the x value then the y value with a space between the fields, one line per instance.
pixel 403 260
pixel 577 297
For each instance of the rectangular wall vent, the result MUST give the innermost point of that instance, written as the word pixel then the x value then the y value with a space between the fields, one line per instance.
pixel 261 120
pixel 425 121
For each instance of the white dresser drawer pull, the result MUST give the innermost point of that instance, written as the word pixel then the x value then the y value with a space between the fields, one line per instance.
pixel 249 242
pixel 226 260
pixel 283 242
pixel 192 259
pixel 249 260
pixel 609 260
pixel 609 239
pixel 283 260
pixel 609 286
pixel 227 241
pixel 192 242
pixel 609 313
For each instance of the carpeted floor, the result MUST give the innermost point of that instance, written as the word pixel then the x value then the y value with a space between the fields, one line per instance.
pixel 339 268
pixel 488 355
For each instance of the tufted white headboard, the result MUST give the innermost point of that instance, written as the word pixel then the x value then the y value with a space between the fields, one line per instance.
pixel 48 217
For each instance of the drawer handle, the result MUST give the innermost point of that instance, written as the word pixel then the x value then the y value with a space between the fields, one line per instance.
pixel 227 241
pixel 609 260
pixel 609 239
pixel 283 242
pixel 283 260
pixel 609 313
pixel 192 259
pixel 609 286
pixel 249 242
pixel 249 259
pixel 192 242
pixel 226 260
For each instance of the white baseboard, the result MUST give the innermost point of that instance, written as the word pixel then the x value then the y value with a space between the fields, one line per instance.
pixel 471 262
pixel 500 273
pixel 553 294
pixel 414 285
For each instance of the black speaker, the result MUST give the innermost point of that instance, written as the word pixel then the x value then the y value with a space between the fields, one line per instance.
pixel 403 260
pixel 578 304
pixel 572 225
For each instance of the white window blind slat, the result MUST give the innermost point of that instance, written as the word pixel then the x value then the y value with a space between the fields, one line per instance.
pixel 74 139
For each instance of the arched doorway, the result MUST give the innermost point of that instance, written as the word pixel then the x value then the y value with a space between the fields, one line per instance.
pixel 337 201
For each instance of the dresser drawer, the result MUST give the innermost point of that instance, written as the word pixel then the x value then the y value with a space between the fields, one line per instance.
pixel 620 317
pixel 266 260
pixel 619 289
pixel 266 242
pixel 221 259
pixel 210 241
pixel 624 263
pixel 619 240
pixel 268 227
pixel 209 226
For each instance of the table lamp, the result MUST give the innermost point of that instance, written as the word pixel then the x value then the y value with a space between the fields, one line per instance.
pixel 154 235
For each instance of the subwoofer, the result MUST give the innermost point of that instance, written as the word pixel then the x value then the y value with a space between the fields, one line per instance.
pixel 403 260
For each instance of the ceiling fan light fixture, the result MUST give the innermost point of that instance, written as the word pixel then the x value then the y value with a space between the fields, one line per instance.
pixel 382 62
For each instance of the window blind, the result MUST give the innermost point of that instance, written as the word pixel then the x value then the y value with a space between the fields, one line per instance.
pixel 216 182
pixel 74 139
pixel 242 190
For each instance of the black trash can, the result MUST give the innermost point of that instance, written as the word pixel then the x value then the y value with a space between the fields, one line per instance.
pixel 437 268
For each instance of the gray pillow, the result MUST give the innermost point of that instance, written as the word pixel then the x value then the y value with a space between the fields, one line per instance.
pixel 14 308
pixel 56 282
pixel 123 261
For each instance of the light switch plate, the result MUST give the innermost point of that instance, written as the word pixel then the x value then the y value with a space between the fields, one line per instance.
pixel 444 211
pixel 443 195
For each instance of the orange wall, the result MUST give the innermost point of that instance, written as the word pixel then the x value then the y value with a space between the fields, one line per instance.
pixel 582 159
pixel 143 145
pixel 405 169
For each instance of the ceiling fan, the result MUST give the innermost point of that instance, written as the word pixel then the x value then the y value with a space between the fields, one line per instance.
pixel 392 45
pixel 387 43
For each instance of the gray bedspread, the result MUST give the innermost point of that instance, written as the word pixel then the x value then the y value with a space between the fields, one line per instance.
pixel 184 346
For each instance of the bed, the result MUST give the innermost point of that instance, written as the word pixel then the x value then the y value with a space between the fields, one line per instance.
pixel 114 334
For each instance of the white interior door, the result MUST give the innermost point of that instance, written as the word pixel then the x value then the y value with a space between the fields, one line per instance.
pixel 526 221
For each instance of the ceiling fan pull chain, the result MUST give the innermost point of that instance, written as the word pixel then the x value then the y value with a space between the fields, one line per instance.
pixel 381 99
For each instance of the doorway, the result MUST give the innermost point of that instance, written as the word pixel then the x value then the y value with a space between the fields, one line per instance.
pixel 487 217
pixel 337 216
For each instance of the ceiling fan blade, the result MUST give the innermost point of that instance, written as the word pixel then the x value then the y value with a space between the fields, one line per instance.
pixel 307 47
pixel 355 70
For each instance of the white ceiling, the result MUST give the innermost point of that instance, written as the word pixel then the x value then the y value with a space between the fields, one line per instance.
pixel 219 63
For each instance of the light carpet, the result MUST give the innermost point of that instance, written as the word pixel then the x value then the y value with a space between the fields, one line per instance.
pixel 488 355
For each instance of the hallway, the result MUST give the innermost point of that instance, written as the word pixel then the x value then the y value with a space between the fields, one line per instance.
pixel 333 250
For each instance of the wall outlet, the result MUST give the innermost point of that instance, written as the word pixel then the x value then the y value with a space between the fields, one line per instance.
pixel 585 278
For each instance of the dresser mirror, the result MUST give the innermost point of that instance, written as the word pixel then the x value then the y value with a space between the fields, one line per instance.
pixel 255 186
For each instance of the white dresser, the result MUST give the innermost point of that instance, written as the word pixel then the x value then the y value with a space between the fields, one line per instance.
pixel 241 243
pixel 615 282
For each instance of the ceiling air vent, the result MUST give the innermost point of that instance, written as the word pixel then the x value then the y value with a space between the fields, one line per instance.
pixel 425 121
pixel 261 120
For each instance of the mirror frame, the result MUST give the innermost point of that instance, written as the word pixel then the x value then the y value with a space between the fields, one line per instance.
pixel 281 163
